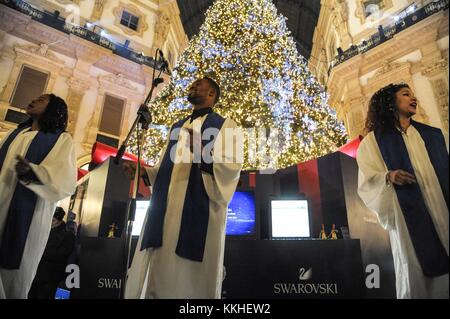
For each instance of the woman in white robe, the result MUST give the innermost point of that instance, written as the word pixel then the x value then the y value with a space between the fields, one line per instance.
pixel 375 187
pixel 54 178
pixel 160 272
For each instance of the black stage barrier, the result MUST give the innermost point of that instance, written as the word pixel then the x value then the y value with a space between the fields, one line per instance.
pixel 293 269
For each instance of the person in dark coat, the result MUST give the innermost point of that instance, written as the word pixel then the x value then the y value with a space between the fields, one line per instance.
pixel 51 270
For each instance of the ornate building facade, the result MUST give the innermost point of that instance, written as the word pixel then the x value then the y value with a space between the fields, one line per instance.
pixel 361 46
pixel 94 54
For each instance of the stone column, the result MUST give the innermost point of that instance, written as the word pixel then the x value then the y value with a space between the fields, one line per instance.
pixel 354 103
pixel 355 109
pixel 436 72
pixel 77 89
pixel 341 20
pixel 94 122
pixel 162 27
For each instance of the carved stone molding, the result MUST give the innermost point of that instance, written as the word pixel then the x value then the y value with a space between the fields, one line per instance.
pixel 142 24
pixel 340 13
pixel 381 66
pixel 389 72
pixel 37 57
pixel 440 91
pixel 82 59
pixel 78 84
pixel 10 20
pixel 162 27
pixel 7 52
pixel 97 11
pixel 65 2
pixel 435 67
pixel 356 123
pixel 388 67
pixel 116 80
pixel 145 4
pixel 122 88
pixel 41 50
pixel 118 65
pixel 73 100
pixel 371 10
pixel 73 46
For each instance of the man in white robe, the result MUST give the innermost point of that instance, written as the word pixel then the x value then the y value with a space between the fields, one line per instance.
pixel 376 189
pixel 160 272
pixel 56 176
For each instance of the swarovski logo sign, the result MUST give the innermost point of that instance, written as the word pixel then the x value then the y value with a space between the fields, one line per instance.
pixel 304 286
pixel 109 283
pixel 73 279
pixel 304 274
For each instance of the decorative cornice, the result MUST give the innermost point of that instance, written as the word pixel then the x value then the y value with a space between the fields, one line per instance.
pixel 162 28
pixel 374 9
pixel 402 44
pixel 118 80
pixel 78 84
pixel 42 30
pixel 422 15
pixel 116 65
pixel 388 67
pixel 97 10
pixel 73 47
pixel 77 2
pixel 434 68
pixel 389 72
pixel 42 50
pixel 10 20
pixel 146 6
pixel 7 52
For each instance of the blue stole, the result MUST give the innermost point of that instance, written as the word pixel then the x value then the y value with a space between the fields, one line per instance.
pixel 430 252
pixel 195 216
pixel 23 202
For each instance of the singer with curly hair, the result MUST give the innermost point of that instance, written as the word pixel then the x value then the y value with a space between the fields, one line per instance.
pixel 403 178
pixel 37 169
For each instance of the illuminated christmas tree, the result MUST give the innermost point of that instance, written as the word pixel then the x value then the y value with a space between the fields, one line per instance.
pixel 246 47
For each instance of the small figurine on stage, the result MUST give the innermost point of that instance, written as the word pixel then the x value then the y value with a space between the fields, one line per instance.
pixel 322 234
pixel 333 233
pixel 112 230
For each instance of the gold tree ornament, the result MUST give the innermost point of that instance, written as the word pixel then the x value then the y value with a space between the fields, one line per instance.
pixel 265 84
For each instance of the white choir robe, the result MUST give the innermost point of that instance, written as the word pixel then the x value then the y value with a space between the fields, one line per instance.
pixel 58 175
pixel 374 191
pixel 160 272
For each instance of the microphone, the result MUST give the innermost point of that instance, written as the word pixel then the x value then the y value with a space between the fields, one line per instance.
pixel 164 63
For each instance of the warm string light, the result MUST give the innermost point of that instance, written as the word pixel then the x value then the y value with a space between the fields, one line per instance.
pixel 246 47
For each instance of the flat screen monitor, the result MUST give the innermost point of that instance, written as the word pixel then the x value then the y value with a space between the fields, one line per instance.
pixel 241 215
pixel 141 211
pixel 289 218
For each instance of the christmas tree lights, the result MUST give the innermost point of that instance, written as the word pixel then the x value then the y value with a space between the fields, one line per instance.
pixel 246 47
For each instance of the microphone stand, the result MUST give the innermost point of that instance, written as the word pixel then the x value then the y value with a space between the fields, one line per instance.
pixel 143 117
